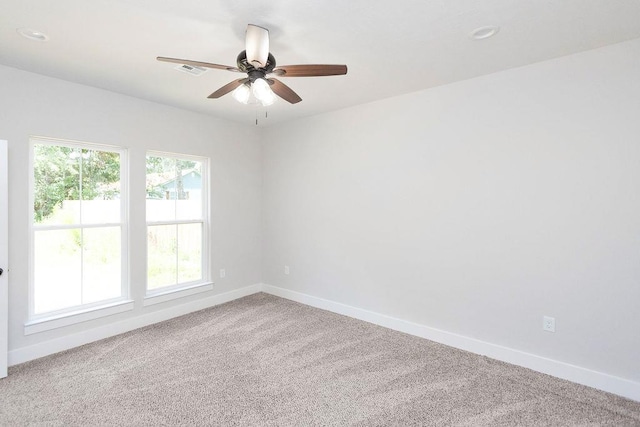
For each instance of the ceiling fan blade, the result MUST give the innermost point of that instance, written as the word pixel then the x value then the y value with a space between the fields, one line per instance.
pixel 284 91
pixel 199 64
pixel 257 45
pixel 227 88
pixel 310 70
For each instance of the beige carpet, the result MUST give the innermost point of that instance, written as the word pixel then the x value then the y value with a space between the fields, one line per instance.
pixel 263 360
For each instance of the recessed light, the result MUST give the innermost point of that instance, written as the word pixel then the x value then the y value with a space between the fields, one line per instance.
pixel 33 34
pixel 484 32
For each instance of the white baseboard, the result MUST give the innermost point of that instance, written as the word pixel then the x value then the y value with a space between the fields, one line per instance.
pixel 46 348
pixel 577 374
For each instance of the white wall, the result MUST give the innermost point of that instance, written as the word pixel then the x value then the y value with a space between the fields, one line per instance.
pixel 32 104
pixel 475 208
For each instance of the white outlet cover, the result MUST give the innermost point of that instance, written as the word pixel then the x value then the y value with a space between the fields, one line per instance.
pixel 286 269
pixel 549 324
pixel 222 273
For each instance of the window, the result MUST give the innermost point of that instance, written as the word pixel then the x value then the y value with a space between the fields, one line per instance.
pixel 177 211
pixel 78 246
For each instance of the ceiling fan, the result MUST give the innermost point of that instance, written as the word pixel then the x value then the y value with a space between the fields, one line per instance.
pixel 258 63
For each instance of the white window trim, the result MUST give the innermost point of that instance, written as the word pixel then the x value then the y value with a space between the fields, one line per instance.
pixel 76 314
pixel 71 318
pixel 155 296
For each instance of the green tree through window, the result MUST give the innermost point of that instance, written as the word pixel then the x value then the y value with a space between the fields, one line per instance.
pixel 66 173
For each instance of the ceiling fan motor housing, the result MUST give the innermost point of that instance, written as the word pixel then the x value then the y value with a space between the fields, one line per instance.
pixel 248 68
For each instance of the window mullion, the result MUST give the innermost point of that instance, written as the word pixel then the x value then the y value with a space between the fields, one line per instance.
pixel 80 184
pixel 72 226
pixel 81 263
pixel 80 159
pixel 183 221
pixel 177 254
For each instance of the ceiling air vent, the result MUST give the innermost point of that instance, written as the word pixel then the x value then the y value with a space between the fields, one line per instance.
pixel 193 70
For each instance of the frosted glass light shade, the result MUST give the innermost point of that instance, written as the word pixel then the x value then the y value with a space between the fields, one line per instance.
pixel 268 99
pixel 261 89
pixel 242 93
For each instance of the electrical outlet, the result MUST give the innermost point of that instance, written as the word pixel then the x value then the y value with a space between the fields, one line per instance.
pixel 286 269
pixel 222 273
pixel 549 324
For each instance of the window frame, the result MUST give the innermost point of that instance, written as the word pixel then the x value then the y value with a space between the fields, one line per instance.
pixel 178 290
pixel 80 310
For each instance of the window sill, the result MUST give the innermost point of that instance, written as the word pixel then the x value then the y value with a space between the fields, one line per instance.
pixel 67 319
pixel 172 294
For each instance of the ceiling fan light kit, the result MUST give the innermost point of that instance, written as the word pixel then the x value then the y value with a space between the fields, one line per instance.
pixel 258 63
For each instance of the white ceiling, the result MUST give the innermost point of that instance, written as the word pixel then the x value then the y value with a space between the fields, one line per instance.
pixel 390 48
